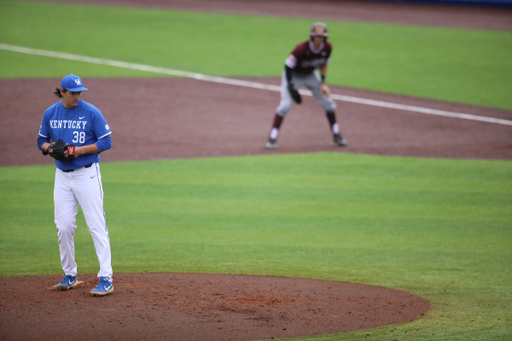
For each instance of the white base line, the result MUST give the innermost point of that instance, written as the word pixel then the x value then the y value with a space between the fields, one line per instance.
pixel 237 82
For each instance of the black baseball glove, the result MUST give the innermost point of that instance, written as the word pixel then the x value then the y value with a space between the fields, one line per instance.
pixel 57 148
pixel 294 93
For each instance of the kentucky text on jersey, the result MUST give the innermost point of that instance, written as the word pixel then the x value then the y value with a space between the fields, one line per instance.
pixel 65 124
pixel 81 125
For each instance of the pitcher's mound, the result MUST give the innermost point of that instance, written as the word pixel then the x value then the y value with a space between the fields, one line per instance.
pixel 176 306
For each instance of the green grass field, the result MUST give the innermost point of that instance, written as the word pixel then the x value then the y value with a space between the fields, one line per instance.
pixel 466 66
pixel 438 228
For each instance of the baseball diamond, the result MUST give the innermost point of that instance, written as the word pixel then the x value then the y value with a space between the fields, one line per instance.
pixel 232 307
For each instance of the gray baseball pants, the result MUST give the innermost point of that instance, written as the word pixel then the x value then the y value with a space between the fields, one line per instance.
pixel 310 81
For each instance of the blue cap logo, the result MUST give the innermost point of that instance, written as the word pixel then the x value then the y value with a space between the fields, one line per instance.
pixel 72 83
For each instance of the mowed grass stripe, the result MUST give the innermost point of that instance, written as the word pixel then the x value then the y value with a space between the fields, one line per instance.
pixel 431 62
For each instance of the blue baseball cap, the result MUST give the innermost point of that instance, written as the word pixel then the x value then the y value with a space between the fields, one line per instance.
pixel 72 83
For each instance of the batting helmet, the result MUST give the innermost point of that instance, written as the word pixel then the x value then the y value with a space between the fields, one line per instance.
pixel 319 29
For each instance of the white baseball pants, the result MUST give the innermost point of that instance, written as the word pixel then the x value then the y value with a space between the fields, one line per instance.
pixel 81 187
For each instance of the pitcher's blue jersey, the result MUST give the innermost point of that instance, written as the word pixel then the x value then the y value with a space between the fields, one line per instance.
pixel 81 125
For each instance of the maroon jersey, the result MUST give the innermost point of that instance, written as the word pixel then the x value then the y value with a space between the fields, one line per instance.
pixel 304 59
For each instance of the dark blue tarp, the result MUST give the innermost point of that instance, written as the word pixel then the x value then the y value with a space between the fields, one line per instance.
pixel 484 3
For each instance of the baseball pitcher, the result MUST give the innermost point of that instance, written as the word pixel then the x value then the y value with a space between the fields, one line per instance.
pixel 74 133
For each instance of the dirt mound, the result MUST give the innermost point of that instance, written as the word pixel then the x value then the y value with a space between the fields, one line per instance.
pixel 177 306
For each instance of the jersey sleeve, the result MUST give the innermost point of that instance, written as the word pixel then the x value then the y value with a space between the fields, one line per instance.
pixel 100 128
pixel 104 143
pixel 295 56
pixel 44 131
pixel 329 51
pixel 291 61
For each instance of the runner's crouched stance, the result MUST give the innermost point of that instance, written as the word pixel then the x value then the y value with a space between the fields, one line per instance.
pixel 74 133
pixel 300 70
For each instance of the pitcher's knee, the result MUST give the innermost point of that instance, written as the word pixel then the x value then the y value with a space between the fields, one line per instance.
pixel 65 227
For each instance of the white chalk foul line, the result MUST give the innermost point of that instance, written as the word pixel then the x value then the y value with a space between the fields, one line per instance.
pixel 422 110
pixel 243 83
